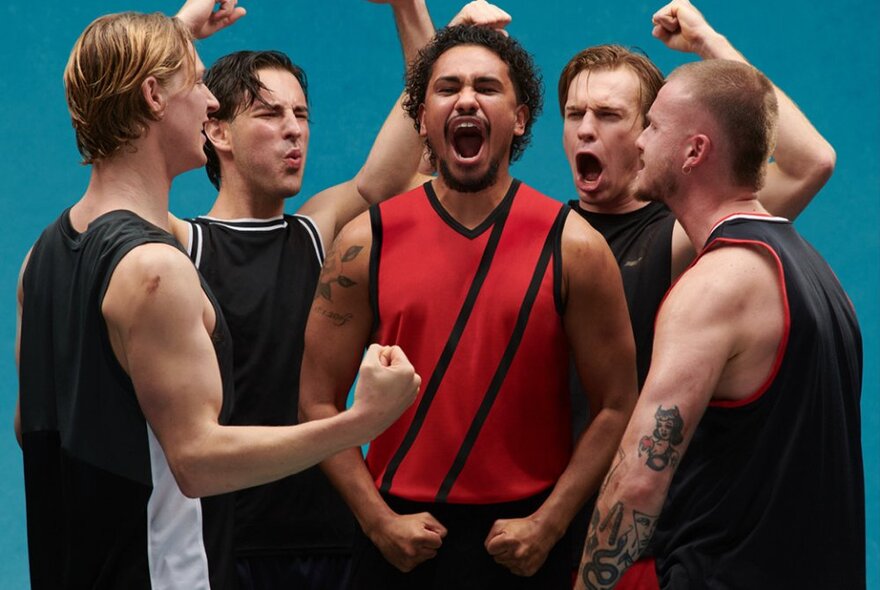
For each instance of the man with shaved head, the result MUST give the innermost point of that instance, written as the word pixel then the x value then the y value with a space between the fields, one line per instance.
pixel 742 463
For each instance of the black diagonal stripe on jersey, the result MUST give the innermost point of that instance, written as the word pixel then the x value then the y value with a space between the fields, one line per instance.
pixel 516 337
pixel 451 345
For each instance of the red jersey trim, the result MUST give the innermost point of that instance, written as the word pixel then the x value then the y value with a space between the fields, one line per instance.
pixel 786 329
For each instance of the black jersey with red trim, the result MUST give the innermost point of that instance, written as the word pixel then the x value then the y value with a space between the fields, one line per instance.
pixel 103 508
pixel 478 312
pixel 641 242
pixel 264 273
pixel 770 493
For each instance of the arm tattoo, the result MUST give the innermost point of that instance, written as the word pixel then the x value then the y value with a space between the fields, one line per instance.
pixel 611 547
pixel 333 273
pixel 659 447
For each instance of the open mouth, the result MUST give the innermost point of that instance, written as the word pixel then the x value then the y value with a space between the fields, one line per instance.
pixel 589 167
pixel 467 139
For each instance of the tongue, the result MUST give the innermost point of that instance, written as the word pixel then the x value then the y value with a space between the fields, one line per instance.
pixel 468 145
pixel 590 168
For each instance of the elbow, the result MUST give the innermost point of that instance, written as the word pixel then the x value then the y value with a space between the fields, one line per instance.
pixel 188 472
pixel 370 186
pixel 826 160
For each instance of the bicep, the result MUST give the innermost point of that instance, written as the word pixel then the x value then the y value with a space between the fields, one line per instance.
pixel 158 319
pixel 597 325
pixel 340 320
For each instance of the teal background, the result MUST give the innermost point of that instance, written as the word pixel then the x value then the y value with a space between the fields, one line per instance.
pixel 826 56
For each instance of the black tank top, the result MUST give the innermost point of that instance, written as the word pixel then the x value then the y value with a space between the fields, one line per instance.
pixel 771 493
pixel 264 274
pixel 103 510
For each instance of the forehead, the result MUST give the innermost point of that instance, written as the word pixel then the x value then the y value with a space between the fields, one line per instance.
pixel 280 85
pixel 618 88
pixel 671 99
pixel 470 61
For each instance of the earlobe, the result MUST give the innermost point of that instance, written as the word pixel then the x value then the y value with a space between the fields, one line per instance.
pixel 422 131
pixel 522 118
pixel 154 96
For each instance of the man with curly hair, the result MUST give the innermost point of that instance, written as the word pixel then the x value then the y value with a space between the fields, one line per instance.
pixel 491 287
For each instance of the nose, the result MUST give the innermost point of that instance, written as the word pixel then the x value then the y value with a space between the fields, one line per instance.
pixel 213 103
pixel 467 101
pixel 640 140
pixel 587 128
pixel 292 127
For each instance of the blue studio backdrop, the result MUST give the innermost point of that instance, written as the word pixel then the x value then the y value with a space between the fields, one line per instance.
pixel 827 60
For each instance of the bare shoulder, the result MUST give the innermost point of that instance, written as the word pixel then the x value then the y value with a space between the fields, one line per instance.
pixel 724 282
pixel 150 279
pixel 584 250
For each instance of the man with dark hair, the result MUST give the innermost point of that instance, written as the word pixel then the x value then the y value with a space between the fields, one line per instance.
pixel 263 265
pixel 757 355
pixel 124 355
pixel 492 286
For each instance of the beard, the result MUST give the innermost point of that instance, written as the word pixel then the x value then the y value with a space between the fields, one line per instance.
pixel 660 188
pixel 469 186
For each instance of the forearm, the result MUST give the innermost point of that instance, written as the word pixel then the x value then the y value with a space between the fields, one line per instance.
pixel 227 458
pixel 414 27
pixel 589 463
pixel 622 524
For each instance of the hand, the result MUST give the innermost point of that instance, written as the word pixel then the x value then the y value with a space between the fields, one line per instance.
pixel 201 19
pixel 408 540
pixel 682 27
pixel 387 386
pixel 521 545
pixel 481 13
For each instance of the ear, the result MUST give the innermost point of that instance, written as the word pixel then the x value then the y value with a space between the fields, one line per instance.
pixel 154 96
pixel 218 134
pixel 522 118
pixel 423 132
pixel 697 151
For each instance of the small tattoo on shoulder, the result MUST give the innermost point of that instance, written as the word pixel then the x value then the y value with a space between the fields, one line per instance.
pixel 332 273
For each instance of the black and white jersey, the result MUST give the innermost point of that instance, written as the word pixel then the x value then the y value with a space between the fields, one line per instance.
pixel 103 509
pixel 264 274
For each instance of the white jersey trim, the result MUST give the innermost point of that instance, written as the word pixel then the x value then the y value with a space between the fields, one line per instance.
pixel 310 225
pixel 175 543
pixel 771 218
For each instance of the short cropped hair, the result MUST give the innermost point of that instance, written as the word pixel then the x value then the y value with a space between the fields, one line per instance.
pixel 105 71
pixel 613 57
pixel 523 73
pixel 234 81
pixel 743 102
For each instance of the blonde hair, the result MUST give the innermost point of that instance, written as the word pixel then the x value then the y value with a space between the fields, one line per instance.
pixel 107 66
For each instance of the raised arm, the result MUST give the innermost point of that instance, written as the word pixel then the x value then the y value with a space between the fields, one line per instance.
pixel 597 325
pixel 203 21
pixel 715 337
pixel 803 159
pixel 160 324
pixel 338 328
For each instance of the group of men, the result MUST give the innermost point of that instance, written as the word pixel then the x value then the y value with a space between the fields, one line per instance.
pixel 180 379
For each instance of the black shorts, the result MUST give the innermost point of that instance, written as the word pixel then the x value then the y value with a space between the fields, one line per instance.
pixel 306 572
pixel 462 562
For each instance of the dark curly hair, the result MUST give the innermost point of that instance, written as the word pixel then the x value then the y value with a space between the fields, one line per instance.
pixel 523 73
pixel 234 82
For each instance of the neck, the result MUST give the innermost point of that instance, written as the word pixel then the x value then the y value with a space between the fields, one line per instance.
pixel 698 212
pixel 613 207
pixel 236 200
pixel 128 180
pixel 471 209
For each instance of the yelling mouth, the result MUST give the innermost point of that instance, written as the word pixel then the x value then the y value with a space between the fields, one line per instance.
pixel 589 167
pixel 467 137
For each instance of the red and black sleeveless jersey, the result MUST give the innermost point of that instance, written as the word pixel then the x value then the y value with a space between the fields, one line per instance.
pixel 478 312
pixel 771 493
